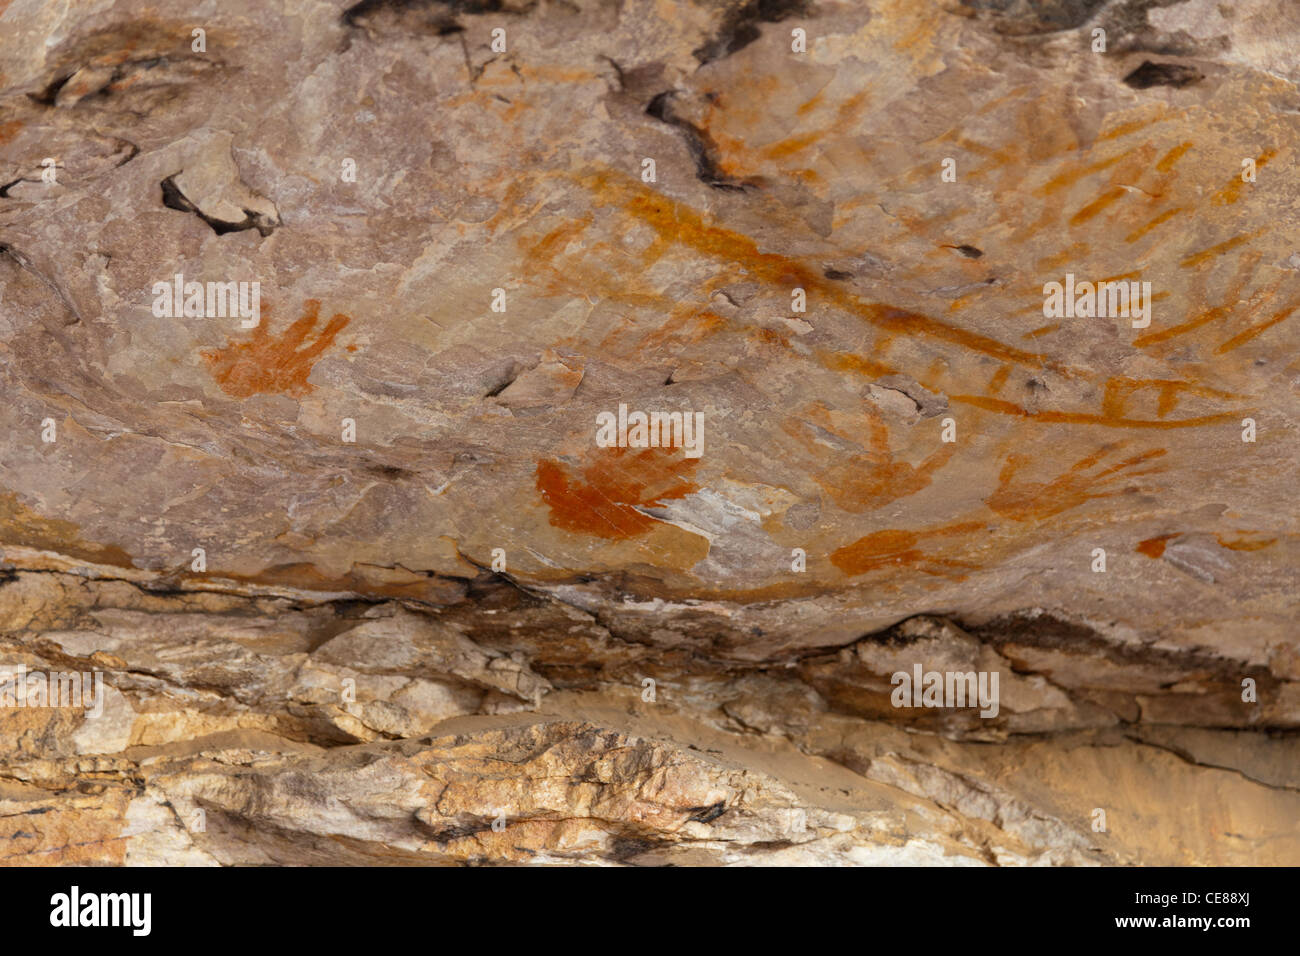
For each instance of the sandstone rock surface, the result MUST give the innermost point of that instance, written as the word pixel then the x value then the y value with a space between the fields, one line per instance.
pixel 363 587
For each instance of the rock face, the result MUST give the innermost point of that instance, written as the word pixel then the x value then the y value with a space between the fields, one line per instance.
pixel 374 566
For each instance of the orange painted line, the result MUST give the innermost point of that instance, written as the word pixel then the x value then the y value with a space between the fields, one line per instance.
pixel 1243 337
pixel 1173 156
pixel 1243 544
pixel 678 223
pixel 1157 221
pixel 1205 318
pixel 1123 129
pixel 1085 418
pixel 1070 177
pixel 1231 193
pixel 1206 254
pixel 1097 205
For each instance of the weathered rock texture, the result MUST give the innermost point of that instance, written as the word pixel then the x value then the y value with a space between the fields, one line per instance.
pixel 349 679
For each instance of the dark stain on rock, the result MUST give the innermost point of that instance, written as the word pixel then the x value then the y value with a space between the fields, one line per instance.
pixel 739 26
pixel 1029 17
pixel 389 471
pixel 452 834
pixel 436 17
pixel 624 848
pixel 1050 632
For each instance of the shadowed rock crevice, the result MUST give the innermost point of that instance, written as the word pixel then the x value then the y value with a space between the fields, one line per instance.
pixel 173 198
pixel 702 148
pixel 1177 75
